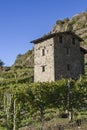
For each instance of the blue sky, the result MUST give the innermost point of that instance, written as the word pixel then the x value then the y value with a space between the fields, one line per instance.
pixel 24 20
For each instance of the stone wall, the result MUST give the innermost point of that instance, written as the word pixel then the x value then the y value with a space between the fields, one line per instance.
pixel 69 61
pixel 54 60
pixel 46 60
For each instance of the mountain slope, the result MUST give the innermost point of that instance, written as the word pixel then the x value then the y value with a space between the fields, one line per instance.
pixel 21 73
pixel 26 59
pixel 77 24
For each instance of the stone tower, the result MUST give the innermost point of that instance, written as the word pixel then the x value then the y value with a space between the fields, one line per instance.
pixel 58 55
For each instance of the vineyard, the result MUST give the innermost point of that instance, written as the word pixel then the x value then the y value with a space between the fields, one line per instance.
pixel 43 106
pixel 39 105
pixel 31 104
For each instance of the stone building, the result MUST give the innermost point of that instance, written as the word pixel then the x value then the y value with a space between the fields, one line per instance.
pixel 58 55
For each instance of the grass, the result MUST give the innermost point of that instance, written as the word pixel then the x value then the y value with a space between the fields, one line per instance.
pixel 53 120
pixel 1 128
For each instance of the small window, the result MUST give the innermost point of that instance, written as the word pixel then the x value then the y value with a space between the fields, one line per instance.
pixel 43 68
pixel 73 41
pixel 68 67
pixel 43 52
pixel 67 51
pixel 60 39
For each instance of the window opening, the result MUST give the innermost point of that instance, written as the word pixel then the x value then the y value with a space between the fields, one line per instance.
pixel 73 41
pixel 60 39
pixel 67 51
pixel 43 68
pixel 43 52
pixel 68 67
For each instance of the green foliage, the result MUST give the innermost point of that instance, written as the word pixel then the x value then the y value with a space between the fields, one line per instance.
pixel 38 102
pixel 13 81
pixel 70 27
pixel 66 20
pixel 32 101
pixel 77 24
pixel 1 63
pixel 59 22
pixel 26 59
pixel 1 128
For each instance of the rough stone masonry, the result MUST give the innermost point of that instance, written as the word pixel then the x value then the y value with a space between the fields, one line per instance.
pixel 58 55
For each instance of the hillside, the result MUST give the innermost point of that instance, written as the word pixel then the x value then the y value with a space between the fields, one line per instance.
pixel 77 24
pixel 26 59
pixel 35 102
pixel 20 72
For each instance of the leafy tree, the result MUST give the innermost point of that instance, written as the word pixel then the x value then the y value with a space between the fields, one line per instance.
pixel 1 63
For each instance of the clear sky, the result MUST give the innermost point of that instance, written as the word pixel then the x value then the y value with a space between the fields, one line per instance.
pixel 24 20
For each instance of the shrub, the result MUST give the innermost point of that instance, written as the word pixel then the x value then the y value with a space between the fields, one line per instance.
pixel 64 115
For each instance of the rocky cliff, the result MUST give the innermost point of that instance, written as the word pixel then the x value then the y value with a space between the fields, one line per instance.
pixel 77 24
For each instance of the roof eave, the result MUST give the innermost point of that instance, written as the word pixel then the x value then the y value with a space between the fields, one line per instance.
pixel 43 38
pixel 83 50
pixel 54 34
